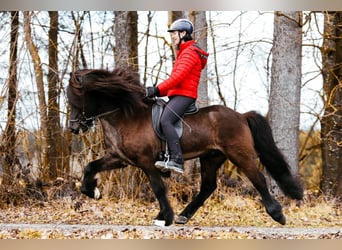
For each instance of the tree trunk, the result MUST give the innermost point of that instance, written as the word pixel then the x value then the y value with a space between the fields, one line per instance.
pixel 126 39
pixel 173 16
pixel 284 105
pixel 200 35
pixel 41 92
pixel 9 135
pixel 54 160
pixel 79 60
pixel 331 122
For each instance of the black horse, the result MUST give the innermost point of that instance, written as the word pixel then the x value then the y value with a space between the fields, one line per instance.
pixel 214 134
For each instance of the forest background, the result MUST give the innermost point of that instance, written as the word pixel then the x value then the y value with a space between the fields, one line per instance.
pixel 39 50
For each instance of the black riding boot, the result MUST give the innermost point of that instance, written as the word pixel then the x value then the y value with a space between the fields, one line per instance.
pixel 176 161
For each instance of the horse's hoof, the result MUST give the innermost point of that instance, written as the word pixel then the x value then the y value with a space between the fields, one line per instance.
pixel 159 223
pixel 181 220
pixel 97 194
pixel 282 220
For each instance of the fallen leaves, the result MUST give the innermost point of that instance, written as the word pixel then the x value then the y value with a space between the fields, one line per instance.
pixel 131 219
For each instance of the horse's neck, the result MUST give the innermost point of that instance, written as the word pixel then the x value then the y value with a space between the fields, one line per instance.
pixel 117 127
pixel 122 135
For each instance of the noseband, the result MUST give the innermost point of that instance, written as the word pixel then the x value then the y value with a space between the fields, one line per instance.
pixel 84 120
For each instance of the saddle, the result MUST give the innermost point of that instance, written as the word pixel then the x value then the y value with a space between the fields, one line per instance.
pixel 157 110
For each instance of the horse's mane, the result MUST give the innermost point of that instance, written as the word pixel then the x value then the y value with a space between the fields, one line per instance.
pixel 122 86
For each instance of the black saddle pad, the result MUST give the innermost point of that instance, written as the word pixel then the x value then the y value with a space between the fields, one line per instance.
pixel 157 110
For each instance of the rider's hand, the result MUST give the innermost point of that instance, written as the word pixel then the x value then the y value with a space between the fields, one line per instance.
pixel 152 91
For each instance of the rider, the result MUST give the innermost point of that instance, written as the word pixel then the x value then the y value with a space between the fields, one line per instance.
pixel 181 88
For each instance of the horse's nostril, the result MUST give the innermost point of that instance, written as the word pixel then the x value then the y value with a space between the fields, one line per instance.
pixel 73 130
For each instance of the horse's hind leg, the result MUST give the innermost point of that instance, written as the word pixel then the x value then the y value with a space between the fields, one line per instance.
pixel 209 165
pixel 247 163
pixel 272 206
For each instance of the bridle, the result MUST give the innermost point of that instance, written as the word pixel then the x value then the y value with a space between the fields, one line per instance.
pixel 84 120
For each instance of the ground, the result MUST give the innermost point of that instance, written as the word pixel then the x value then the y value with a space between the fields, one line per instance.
pixel 233 217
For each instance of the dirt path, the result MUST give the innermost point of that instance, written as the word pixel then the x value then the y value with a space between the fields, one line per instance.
pixel 155 232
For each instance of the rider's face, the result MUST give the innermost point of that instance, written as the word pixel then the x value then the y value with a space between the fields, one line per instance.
pixel 175 37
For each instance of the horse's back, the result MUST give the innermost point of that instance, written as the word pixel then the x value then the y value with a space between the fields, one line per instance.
pixel 217 115
pixel 214 127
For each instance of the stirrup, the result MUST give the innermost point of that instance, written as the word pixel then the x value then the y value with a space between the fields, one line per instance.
pixel 162 164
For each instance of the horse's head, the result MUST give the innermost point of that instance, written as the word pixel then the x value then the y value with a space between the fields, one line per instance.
pixel 81 108
pixel 95 92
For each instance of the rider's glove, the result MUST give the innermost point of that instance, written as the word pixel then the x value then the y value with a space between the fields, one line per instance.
pixel 152 91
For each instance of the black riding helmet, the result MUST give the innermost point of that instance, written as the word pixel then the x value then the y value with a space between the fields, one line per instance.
pixel 182 25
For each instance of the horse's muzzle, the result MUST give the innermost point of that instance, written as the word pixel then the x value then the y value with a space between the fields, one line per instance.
pixel 74 127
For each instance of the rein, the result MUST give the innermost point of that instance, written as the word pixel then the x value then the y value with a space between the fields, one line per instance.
pixel 84 120
pixel 106 113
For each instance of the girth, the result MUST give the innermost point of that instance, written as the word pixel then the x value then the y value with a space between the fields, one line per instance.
pixel 157 110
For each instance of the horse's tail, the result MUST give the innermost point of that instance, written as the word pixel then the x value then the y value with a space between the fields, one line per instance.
pixel 271 157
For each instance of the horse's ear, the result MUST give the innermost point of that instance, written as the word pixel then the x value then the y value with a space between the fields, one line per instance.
pixel 75 80
pixel 73 76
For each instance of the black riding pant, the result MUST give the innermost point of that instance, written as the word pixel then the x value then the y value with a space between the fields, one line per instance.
pixel 174 110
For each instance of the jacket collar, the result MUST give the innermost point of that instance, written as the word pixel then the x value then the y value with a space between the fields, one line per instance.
pixel 186 44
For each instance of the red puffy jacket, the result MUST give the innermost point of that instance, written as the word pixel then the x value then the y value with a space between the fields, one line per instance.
pixel 186 72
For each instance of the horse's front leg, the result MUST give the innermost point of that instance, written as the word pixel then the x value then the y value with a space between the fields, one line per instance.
pixel 89 183
pixel 166 214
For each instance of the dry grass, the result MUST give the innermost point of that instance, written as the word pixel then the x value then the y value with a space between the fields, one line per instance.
pixel 228 206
